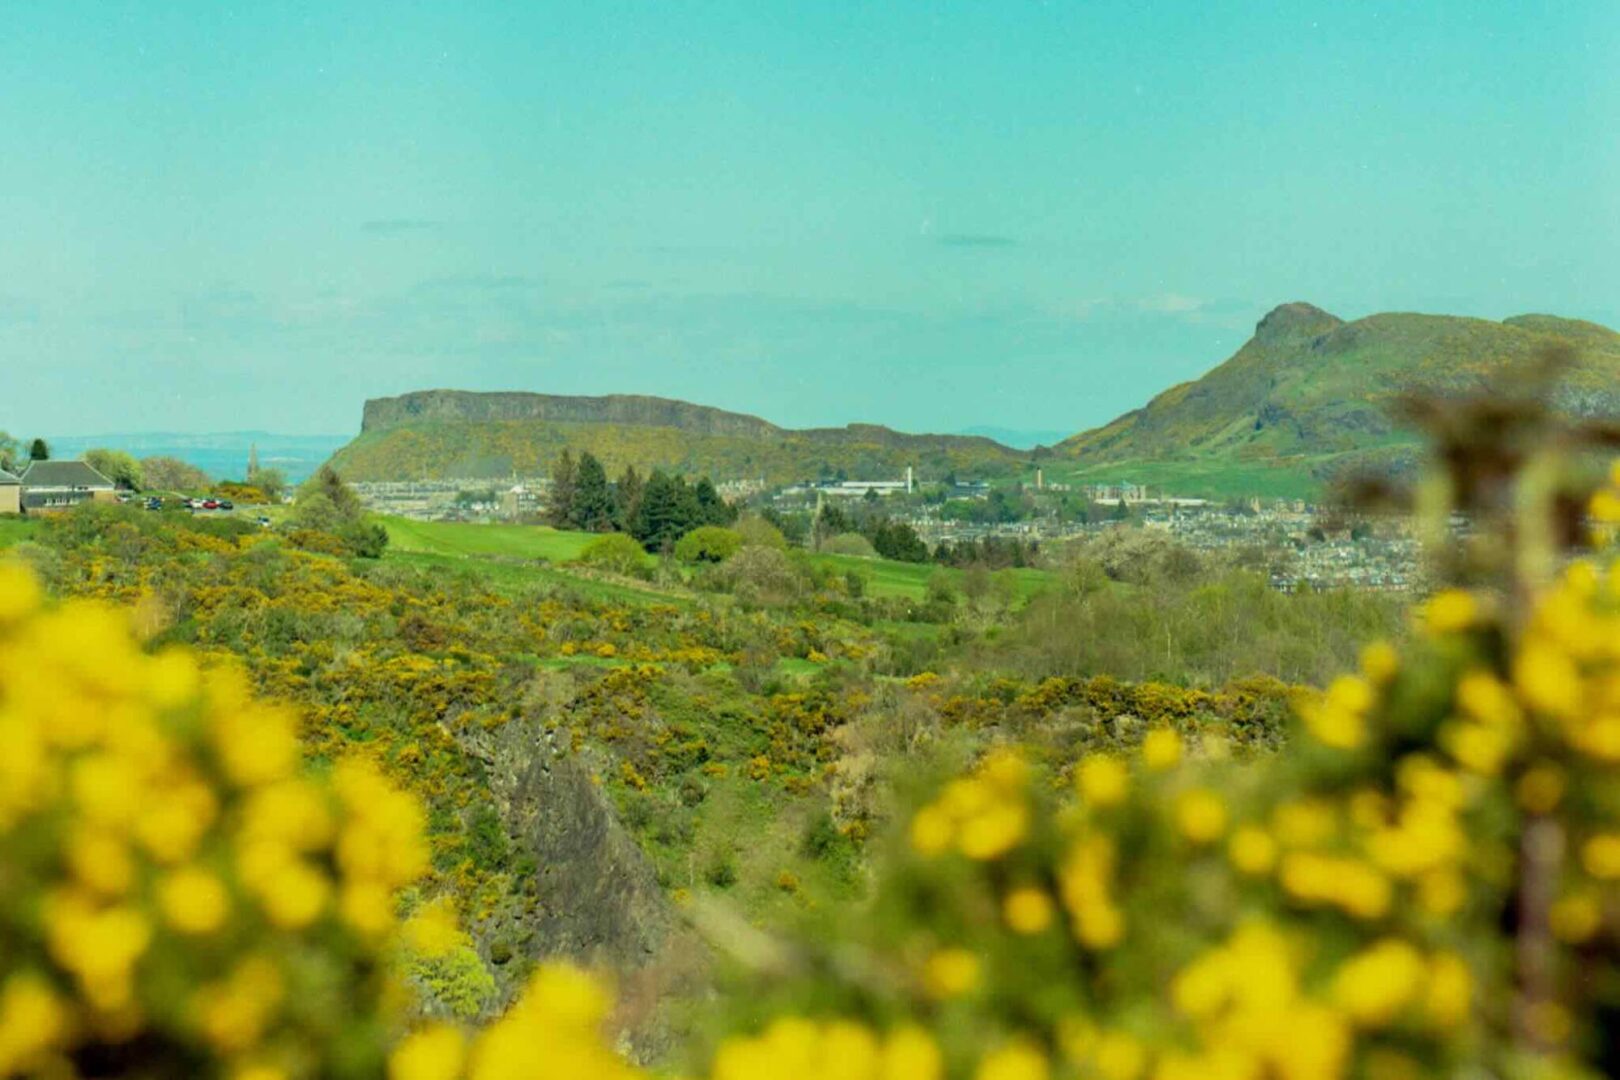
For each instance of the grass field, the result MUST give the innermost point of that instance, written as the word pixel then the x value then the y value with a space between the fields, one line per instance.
pixel 885 577
pixel 469 539
pixel 16 529
pixel 494 549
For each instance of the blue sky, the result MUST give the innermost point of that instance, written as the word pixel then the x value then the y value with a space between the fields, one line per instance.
pixel 928 214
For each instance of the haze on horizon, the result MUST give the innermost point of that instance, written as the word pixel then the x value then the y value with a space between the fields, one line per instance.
pixel 1021 215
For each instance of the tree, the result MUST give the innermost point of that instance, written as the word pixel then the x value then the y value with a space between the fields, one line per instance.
pixel 273 482
pixel 708 543
pixel 711 508
pixel 616 553
pixel 665 512
pixel 897 540
pixel 121 468
pixel 172 474
pixel 627 496
pixel 592 506
pixel 561 510
pixel 11 450
pixel 326 504
pixel 39 451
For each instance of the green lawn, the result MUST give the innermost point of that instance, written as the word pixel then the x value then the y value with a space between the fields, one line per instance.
pixel 885 577
pixel 467 538
pixel 16 529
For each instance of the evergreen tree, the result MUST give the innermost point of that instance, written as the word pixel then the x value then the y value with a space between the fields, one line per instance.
pixel 592 507
pixel 711 508
pixel 627 497
pixel 38 451
pixel 665 513
pixel 561 510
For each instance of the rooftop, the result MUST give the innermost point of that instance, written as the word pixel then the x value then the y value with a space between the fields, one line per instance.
pixel 63 474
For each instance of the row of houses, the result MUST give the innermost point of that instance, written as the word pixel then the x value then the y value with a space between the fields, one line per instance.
pixel 49 486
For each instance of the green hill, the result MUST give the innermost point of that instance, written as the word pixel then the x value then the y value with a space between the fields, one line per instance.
pixel 449 433
pixel 1307 398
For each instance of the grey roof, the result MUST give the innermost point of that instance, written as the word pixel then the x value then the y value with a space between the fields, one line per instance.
pixel 7 480
pixel 63 474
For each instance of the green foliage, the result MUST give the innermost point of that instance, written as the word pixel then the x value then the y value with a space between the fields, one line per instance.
pixel 708 544
pixel 116 465
pixel 39 451
pixel 615 553
pixel 172 474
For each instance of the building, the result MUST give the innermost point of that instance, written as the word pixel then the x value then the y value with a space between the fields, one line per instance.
pixel 10 493
pixel 51 486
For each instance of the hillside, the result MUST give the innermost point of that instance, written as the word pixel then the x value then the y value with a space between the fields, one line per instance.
pixel 1307 397
pixel 452 433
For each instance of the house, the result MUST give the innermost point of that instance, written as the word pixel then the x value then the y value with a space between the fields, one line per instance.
pixel 51 486
pixel 10 493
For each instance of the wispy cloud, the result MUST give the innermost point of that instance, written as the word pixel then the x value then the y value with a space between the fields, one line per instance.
pixel 397 226
pixel 975 240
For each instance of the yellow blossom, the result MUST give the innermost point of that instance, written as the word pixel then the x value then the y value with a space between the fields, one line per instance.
pixel 951 972
pixel 1015 1061
pixel 1200 815
pixel 1161 749
pixel 1028 910
pixel 1600 855
pixel 434 1053
pixel 1449 611
pixel 1103 780
pixel 194 901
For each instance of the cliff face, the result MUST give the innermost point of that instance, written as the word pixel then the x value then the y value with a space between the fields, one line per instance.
pixel 432 434
pixel 467 407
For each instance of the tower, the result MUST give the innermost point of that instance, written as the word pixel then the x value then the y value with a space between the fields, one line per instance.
pixel 253 461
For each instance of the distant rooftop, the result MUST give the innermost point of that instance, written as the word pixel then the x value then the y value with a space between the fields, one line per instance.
pixel 63 474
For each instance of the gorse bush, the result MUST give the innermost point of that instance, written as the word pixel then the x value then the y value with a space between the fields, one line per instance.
pixel 179 897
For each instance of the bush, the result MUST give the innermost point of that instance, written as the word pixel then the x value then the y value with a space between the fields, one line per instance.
pixel 849 544
pixel 707 544
pixel 755 531
pixel 192 896
pixel 617 554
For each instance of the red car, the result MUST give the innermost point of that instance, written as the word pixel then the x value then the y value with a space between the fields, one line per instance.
pixel 211 504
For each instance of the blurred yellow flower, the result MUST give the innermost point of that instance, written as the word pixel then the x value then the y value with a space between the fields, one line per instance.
pixel 1028 910
pixel 1102 780
pixel 951 972
pixel 1161 749
pixel 434 1053
pixel 1200 815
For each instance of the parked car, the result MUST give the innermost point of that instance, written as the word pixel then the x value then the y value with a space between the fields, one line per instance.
pixel 226 504
pixel 210 504
pixel 264 522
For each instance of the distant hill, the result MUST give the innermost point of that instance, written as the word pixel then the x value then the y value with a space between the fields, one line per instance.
pixel 1019 438
pixel 461 434
pixel 222 455
pixel 1306 399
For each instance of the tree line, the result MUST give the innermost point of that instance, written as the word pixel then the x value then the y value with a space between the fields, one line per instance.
pixel 657 510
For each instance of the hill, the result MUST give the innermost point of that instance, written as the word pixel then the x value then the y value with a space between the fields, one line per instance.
pixel 436 434
pixel 1307 398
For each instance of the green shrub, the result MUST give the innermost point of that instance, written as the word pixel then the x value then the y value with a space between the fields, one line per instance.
pixel 708 544
pixel 615 553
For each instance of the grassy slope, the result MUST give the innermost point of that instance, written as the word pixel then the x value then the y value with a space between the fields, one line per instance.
pixel 1308 395
pixel 463 538
pixel 490 548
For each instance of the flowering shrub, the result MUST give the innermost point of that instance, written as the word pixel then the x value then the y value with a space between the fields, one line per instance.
pixel 176 891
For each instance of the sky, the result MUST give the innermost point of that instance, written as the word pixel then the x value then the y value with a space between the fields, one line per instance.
pixel 930 214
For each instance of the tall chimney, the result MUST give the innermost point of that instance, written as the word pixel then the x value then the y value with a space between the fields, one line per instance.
pixel 910 480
